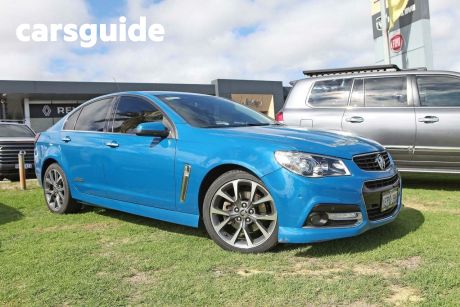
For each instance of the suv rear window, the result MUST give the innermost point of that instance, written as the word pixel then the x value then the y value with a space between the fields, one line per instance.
pixel 385 92
pixel 439 91
pixel 330 93
pixel 15 131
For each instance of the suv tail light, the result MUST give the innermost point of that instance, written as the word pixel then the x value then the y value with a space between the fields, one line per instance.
pixel 279 117
pixel 37 136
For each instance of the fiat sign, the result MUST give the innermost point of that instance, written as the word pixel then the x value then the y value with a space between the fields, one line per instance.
pixel 396 43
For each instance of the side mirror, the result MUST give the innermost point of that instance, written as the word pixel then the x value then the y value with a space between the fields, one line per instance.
pixel 156 129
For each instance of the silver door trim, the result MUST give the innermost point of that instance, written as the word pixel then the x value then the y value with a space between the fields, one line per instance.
pixel 437 148
pixel 185 179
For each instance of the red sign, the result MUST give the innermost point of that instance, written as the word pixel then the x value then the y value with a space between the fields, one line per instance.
pixel 397 43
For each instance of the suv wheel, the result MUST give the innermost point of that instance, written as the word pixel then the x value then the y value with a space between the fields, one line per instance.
pixel 57 192
pixel 239 213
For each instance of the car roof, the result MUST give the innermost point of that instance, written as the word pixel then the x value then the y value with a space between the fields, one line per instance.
pixel 153 93
pixel 380 74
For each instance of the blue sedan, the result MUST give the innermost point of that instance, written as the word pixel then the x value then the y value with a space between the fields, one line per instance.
pixel 189 158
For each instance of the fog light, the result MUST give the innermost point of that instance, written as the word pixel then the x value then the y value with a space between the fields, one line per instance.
pixel 318 219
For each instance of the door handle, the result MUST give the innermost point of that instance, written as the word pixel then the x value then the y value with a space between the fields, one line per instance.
pixel 429 119
pixel 355 119
pixel 66 139
pixel 112 144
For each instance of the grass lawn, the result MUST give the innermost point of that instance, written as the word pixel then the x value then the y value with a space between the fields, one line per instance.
pixel 103 257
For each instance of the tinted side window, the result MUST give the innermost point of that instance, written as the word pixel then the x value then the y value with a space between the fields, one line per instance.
pixel 93 116
pixel 386 92
pixel 71 120
pixel 132 111
pixel 330 93
pixel 439 91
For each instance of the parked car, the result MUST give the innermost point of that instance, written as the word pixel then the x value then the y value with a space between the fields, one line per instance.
pixel 183 158
pixel 414 114
pixel 15 137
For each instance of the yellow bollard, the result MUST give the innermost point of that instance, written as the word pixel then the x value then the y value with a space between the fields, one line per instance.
pixel 22 170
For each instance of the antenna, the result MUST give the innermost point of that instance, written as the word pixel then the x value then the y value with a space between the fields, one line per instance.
pixel 116 83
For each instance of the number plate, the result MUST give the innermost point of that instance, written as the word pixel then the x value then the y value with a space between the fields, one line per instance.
pixel 26 165
pixel 389 199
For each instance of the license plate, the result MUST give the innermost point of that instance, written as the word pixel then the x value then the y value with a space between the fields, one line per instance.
pixel 26 165
pixel 389 199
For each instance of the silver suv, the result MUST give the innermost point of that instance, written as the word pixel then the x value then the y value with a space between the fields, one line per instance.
pixel 415 114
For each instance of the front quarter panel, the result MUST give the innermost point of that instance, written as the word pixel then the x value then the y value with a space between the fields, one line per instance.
pixel 204 152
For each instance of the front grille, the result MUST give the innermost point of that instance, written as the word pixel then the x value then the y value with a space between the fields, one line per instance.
pixel 10 150
pixel 369 162
pixel 372 193
pixel 376 214
pixel 377 184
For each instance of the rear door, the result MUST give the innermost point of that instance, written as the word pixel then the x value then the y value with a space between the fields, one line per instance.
pixel 326 103
pixel 438 121
pixel 82 147
pixel 140 169
pixel 381 108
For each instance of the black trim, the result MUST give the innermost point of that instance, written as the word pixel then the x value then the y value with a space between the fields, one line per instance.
pixel 333 71
pixel 372 194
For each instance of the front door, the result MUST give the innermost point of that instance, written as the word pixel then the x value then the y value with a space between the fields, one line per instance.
pixel 381 109
pixel 438 122
pixel 139 169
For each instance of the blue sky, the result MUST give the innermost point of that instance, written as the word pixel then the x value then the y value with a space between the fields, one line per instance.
pixel 104 9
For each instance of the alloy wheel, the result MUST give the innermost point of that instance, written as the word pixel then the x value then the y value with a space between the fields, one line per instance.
pixel 243 213
pixel 54 189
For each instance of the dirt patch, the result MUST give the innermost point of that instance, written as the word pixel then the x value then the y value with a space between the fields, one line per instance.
pixel 314 270
pixel 139 278
pixel 430 207
pixel 402 295
pixel 411 263
pixel 85 227
pixel 382 269
pixel 8 185
pixel 362 304
pixel 334 270
pixel 250 272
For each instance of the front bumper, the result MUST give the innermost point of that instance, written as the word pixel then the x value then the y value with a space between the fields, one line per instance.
pixel 10 170
pixel 296 196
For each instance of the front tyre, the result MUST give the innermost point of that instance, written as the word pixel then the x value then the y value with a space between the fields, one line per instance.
pixel 239 213
pixel 57 192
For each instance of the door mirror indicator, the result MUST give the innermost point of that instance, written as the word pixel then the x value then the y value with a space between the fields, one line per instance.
pixel 156 129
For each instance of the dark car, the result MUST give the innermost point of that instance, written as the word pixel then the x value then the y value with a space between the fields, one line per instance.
pixel 14 138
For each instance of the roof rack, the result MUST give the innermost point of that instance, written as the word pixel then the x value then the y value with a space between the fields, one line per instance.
pixel 350 70
pixel 14 121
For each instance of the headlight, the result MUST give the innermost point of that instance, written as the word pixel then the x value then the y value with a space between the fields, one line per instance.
pixel 310 165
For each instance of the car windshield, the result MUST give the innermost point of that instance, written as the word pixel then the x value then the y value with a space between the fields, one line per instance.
pixel 214 112
pixel 7 130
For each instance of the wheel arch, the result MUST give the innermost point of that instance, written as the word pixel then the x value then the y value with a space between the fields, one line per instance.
pixel 212 175
pixel 45 165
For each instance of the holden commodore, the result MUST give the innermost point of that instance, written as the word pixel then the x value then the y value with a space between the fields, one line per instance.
pixel 190 158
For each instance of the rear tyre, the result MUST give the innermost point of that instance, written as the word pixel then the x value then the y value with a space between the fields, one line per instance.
pixel 13 178
pixel 239 213
pixel 57 192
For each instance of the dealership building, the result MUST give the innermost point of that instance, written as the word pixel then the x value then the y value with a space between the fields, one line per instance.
pixel 40 104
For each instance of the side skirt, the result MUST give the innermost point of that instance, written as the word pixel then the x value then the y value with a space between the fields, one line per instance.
pixel 176 217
